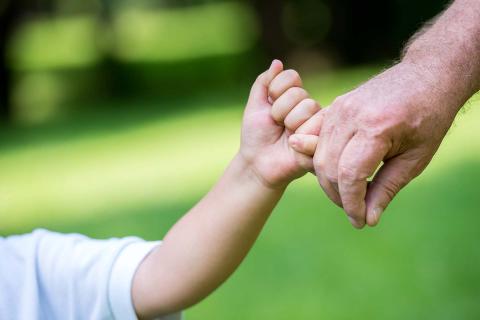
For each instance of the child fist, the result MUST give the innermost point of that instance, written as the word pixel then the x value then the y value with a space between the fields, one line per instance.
pixel 277 107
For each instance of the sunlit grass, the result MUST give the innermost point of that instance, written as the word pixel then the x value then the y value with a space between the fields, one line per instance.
pixel 152 163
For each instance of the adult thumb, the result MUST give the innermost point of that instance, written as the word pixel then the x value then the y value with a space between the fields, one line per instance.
pixel 395 174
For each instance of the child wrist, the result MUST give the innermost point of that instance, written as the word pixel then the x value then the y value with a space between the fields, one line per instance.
pixel 248 171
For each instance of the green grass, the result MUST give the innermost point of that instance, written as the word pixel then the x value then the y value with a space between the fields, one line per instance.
pixel 136 174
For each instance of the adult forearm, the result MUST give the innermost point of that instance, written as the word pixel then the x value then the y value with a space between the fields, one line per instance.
pixel 206 245
pixel 447 53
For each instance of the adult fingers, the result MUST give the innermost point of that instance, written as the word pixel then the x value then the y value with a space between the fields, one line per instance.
pixel 395 174
pixel 282 82
pixel 287 102
pixel 359 160
pixel 259 91
pixel 332 151
pixel 303 143
pixel 306 109
pixel 320 161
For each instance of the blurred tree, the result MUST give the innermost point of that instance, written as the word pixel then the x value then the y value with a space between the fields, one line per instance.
pixel 110 67
pixel 365 31
pixel 357 31
pixel 352 31
pixel 306 22
pixel 362 31
pixel 9 15
pixel 272 33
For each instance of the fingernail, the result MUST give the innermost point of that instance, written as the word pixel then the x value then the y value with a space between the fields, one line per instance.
pixel 294 141
pixel 377 212
pixel 352 221
pixel 275 61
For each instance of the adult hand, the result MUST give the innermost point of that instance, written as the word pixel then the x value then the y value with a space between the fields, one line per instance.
pixel 399 118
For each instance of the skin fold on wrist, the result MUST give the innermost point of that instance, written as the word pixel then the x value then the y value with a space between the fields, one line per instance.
pixel 247 172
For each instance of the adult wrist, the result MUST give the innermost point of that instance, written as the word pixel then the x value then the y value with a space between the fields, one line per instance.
pixel 439 84
pixel 455 71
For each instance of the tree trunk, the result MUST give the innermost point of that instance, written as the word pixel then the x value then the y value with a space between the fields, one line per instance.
pixel 362 33
pixel 8 17
pixel 273 37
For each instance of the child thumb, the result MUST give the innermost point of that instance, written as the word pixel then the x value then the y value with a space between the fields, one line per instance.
pixel 303 143
pixel 259 92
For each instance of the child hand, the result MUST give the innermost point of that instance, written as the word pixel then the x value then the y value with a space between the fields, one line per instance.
pixel 277 106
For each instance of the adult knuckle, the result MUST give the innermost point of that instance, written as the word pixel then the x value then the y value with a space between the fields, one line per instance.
pixel 376 120
pixel 346 102
pixel 327 116
pixel 331 176
pixel 345 111
pixel 391 188
pixel 349 174
pixel 338 101
pixel 328 128
pixel 383 121
pixel 319 164
pixel 375 133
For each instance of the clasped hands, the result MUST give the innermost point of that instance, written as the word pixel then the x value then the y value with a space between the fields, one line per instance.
pixel 364 148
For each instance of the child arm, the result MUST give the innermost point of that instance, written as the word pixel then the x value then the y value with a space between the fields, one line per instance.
pixel 204 248
pixel 206 245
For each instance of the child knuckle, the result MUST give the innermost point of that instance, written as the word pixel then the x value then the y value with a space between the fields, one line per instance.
pixel 293 75
pixel 297 93
pixel 311 105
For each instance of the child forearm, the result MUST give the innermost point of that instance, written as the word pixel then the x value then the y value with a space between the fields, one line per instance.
pixel 203 249
pixel 206 245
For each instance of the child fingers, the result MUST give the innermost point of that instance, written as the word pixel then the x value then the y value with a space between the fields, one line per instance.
pixel 286 102
pixel 275 69
pixel 312 125
pixel 282 82
pixel 259 90
pixel 306 109
pixel 303 143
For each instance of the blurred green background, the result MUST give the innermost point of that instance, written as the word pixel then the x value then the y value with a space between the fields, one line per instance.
pixel 116 117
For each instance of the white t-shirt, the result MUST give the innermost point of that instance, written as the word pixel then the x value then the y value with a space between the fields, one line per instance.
pixel 47 275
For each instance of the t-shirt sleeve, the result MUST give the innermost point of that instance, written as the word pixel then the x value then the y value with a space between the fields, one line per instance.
pixel 121 278
pixel 48 275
